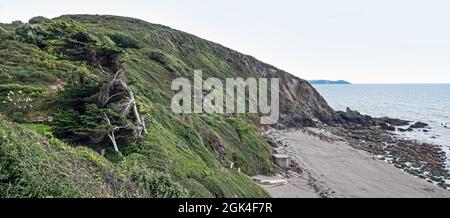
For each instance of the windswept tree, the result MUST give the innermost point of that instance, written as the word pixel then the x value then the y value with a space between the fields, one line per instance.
pixel 105 111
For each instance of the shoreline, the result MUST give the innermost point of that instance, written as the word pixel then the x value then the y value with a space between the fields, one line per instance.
pixel 329 167
pixel 420 159
pixel 428 139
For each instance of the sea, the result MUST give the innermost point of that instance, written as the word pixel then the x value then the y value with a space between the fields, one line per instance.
pixel 429 103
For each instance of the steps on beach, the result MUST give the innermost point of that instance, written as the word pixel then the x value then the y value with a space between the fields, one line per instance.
pixel 270 181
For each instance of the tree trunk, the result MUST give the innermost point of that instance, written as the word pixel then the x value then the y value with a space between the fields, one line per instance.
pixel 116 95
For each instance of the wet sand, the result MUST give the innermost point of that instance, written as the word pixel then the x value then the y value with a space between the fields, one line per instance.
pixel 334 169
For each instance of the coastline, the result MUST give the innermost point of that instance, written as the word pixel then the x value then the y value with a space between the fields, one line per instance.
pixel 413 102
pixel 329 167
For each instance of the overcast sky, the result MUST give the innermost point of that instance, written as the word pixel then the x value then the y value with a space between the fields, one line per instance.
pixel 383 41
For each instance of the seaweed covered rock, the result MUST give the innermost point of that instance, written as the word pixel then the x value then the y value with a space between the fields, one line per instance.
pixel 418 125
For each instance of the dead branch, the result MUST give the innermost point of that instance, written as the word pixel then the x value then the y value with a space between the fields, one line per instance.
pixel 111 134
pixel 117 95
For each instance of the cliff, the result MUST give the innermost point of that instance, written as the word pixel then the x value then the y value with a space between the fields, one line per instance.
pixel 60 65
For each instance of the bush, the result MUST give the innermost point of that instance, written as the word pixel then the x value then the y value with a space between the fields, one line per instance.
pixel 32 34
pixel 57 33
pixel 16 23
pixel 165 60
pixel 2 31
pixel 4 89
pixel 155 184
pixel 124 41
pixel 69 40
pixel 32 166
pixel 39 20
pixel 16 101
pixel 3 34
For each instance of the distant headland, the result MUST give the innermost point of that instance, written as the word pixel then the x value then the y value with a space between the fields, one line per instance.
pixel 321 82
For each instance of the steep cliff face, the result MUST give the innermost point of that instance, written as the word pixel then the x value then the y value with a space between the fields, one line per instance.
pixel 300 104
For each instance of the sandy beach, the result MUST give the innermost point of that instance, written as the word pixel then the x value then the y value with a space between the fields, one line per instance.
pixel 336 170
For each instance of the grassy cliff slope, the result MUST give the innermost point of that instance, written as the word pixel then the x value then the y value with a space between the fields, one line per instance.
pixel 182 155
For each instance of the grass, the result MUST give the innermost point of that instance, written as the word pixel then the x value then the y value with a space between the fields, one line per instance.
pixel 41 129
pixel 193 151
pixel 35 166
pixel 32 167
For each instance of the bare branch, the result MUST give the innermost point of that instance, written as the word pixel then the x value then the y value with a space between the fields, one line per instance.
pixel 111 134
pixel 116 87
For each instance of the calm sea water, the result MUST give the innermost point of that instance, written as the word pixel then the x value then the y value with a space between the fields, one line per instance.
pixel 429 103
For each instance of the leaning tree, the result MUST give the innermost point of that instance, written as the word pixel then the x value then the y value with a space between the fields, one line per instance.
pixel 105 111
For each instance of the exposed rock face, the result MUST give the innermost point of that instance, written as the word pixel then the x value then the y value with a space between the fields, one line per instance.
pixel 300 104
pixel 350 117
pixel 354 120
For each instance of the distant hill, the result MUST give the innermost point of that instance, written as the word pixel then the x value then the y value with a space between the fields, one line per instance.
pixel 321 82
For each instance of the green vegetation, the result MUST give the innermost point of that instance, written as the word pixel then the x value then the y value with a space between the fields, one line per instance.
pixel 35 166
pixel 56 63
pixel 124 41
pixel 19 101
pixel 41 129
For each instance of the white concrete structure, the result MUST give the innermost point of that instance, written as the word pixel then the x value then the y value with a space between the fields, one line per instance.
pixel 282 160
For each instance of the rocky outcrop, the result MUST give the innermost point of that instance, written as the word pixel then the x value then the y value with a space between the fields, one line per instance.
pixel 300 103
pixel 405 130
pixel 392 121
pixel 351 117
pixel 387 127
pixel 419 125
pixel 355 120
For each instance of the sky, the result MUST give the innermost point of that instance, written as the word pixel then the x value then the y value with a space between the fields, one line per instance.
pixel 362 41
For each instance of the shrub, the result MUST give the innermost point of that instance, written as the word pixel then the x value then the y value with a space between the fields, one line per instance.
pixel 124 41
pixel 33 166
pixel 164 59
pixel 85 126
pixel 14 87
pixel 39 20
pixel 31 34
pixel 70 41
pixel 2 31
pixel 16 23
pixel 155 184
pixel 16 101
pixel 57 33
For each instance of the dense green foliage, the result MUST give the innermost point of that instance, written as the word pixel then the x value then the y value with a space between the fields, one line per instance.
pixel 124 41
pixel 35 166
pixel 193 150
pixel 79 116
